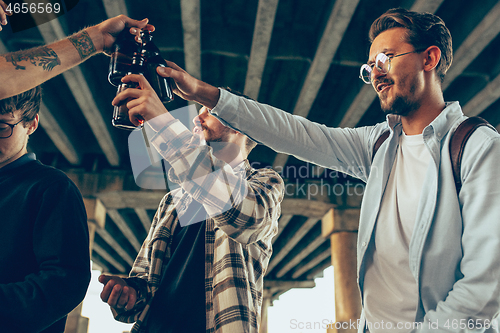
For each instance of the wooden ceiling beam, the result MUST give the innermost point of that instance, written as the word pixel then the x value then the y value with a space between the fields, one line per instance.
pixel 191 26
pixel 114 245
pixel 317 271
pixel 305 207
pixel 131 199
pixel 102 266
pixel 150 200
pixel 426 6
pixel 264 23
pixel 115 7
pixel 58 136
pixel 307 250
pixel 474 44
pixel 482 100
pixel 313 263
pixel 282 223
pixel 108 257
pixel 144 218
pixel 280 284
pixel 340 17
pixel 291 242
pixel 124 228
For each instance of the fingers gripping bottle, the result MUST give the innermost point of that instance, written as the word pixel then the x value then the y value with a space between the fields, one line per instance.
pixel 132 57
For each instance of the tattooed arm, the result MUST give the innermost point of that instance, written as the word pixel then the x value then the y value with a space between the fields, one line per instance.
pixel 26 69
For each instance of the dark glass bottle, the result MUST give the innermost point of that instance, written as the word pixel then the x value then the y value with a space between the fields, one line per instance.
pixel 120 112
pixel 132 57
pixel 124 50
pixel 153 59
pixel 127 59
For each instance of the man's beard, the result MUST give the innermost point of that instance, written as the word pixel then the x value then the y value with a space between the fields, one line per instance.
pixel 211 136
pixel 402 105
pixel 219 141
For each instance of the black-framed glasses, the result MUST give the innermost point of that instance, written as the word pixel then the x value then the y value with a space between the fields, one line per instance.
pixel 383 64
pixel 7 129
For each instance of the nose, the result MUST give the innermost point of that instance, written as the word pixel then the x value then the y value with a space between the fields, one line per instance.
pixel 197 121
pixel 376 73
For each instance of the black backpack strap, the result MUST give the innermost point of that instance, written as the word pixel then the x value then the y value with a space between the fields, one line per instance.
pixel 379 142
pixel 459 140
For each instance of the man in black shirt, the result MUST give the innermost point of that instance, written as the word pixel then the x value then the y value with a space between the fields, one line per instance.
pixel 44 245
pixel 202 266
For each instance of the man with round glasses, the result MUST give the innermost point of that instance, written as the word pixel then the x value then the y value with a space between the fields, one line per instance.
pixel 44 242
pixel 427 257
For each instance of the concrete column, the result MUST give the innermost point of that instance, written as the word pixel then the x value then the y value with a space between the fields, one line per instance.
pixel 266 303
pixel 347 298
pixel 76 323
pixel 341 226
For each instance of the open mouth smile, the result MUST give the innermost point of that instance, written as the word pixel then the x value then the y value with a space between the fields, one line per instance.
pixel 381 87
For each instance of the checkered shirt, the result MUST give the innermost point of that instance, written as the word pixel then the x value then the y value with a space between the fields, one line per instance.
pixel 243 205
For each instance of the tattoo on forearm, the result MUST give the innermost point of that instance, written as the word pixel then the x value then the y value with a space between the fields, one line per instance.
pixel 83 44
pixel 41 56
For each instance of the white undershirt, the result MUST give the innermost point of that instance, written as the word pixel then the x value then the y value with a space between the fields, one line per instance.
pixel 390 290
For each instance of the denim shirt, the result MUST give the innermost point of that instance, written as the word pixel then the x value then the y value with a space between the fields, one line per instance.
pixel 455 246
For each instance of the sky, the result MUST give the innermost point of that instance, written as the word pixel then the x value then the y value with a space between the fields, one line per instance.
pixel 296 311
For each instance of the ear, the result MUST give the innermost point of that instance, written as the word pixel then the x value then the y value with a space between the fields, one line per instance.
pixel 33 126
pixel 432 57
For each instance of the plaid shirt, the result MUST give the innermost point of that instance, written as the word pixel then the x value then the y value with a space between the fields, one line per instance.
pixel 237 236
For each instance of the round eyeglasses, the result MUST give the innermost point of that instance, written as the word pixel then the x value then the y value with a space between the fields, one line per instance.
pixel 382 63
pixel 7 129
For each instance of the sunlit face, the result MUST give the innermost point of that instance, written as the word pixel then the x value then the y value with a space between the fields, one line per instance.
pixel 15 146
pixel 213 130
pixel 401 89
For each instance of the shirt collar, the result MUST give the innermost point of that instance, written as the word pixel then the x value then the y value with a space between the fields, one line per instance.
pixel 442 124
pixel 28 157
pixel 439 126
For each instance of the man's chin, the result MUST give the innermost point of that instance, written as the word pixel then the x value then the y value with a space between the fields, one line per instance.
pixel 387 108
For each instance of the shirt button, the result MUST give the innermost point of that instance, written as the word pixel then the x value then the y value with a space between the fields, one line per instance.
pixel 163 146
pixel 363 244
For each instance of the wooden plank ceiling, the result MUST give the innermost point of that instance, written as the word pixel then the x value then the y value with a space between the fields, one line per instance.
pixel 297 55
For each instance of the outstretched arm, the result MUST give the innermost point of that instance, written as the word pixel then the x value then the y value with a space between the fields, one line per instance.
pixel 26 69
pixel 346 150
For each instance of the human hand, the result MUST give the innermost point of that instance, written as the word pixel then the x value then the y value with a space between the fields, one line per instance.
pixel 116 293
pixel 112 27
pixel 143 103
pixel 3 14
pixel 188 87
pixel 185 84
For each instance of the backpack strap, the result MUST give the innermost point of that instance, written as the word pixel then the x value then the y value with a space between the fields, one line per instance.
pixel 459 140
pixel 379 142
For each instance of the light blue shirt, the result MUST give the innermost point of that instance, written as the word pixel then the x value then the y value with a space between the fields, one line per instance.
pixel 454 252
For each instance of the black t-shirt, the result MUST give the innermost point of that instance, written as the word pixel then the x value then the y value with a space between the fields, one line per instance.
pixel 179 303
pixel 44 247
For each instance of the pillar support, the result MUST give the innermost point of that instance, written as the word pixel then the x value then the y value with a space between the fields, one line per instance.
pixel 266 303
pixel 341 226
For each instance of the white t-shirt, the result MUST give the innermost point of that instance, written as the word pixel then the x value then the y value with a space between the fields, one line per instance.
pixel 390 290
